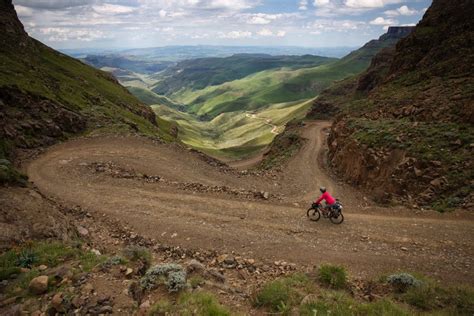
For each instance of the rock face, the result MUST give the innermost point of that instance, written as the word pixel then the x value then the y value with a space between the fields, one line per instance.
pixel 398 32
pixel 25 215
pixel 406 127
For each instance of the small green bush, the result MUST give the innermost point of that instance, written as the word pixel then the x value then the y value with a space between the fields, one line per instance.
pixel 161 308
pixel 173 274
pixel 280 295
pixel 200 303
pixel 401 282
pixel 196 281
pixel 135 253
pixel 329 303
pixel 332 276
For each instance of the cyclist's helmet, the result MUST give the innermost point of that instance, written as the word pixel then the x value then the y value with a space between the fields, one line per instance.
pixel 322 189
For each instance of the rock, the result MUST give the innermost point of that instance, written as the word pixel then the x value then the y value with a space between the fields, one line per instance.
pixel 96 252
pixel 82 231
pixel 418 172
pixel 39 285
pixel 57 301
pixel 250 261
pixel 145 305
pixel 87 289
pixel 221 258
pixel 217 275
pixel 128 272
pixel 265 195
pixel 77 301
pixel 42 267
pixel 107 309
pixel 195 266
pixel 437 183
pixel 404 248
pixel 230 262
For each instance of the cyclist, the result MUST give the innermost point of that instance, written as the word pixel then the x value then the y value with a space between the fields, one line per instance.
pixel 330 201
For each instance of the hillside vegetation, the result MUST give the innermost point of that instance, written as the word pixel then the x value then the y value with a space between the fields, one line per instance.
pixel 196 74
pixel 46 96
pixel 406 129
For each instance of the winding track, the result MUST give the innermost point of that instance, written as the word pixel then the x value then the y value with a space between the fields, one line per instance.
pixel 372 240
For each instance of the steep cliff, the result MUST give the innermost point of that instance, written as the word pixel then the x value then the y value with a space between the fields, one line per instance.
pixel 46 96
pixel 406 131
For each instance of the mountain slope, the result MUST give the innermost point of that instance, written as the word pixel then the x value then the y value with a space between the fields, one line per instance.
pixel 196 74
pixel 46 96
pixel 284 84
pixel 407 129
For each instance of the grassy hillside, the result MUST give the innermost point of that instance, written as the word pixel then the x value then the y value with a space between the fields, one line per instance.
pixel 200 73
pixel 46 96
pixel 237 134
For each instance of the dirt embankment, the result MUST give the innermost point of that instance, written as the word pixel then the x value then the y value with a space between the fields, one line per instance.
pixel 373 240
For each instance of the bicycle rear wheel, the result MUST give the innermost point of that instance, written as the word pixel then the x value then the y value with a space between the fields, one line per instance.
pixel 337 219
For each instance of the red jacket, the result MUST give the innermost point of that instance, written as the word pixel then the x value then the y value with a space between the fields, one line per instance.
pixel 327 197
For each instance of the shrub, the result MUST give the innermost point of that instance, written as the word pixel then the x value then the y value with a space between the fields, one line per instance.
pixel 162 307
pixel 329 303
pixel 196 281
pixel 333 276
pixel 174 277
pixel 280 295
pixel 200 303
pixel 26 258
pixel 401 282
pixel 135 253
pixel 423 297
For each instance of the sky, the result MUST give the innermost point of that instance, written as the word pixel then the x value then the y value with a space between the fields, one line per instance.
pixel 149 23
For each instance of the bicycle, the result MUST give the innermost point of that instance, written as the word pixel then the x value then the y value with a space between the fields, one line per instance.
pixel 333 213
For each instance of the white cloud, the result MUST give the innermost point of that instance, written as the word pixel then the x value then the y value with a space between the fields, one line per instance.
pixel 108 8
pixel 262 18
pixel 162 13
pixel 369 3
pixel 281 34
pixel 57 34
pixel 382 21
pixel 329 25
pixel 321 2
pixel 235 34
pixel 265 32
pixel 303 5
pixel 23 11
pixel 403 10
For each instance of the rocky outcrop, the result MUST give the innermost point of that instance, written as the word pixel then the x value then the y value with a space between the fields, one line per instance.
pixel 26 215
pixel 14 35
pixel 30 120
pixel 397 32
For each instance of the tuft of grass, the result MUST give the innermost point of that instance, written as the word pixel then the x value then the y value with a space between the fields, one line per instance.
pixel 332 276
pixel 200 303
pixel 280 295
pixel 189 304
pixel 161 308
pixel 196 281
pixel 135 253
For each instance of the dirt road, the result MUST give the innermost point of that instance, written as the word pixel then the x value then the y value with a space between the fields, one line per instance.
pixel 372 240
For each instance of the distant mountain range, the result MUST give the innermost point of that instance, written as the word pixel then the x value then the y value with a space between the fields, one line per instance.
pixel 177 53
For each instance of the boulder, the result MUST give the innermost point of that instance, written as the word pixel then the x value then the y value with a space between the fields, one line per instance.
pixel 39 285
